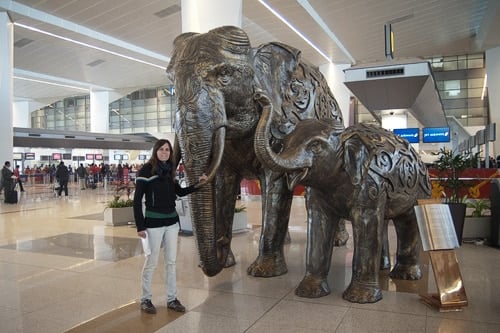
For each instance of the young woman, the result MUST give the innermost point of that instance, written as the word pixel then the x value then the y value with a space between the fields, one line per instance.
pixel 160 222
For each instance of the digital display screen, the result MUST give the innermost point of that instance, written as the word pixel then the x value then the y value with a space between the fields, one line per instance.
pixel 118 157
pixel 435 134
pixel 56 156
pixel 89 156
pixel 98 157
pixel 17 156
pixel 29 156
pixel 66 156
pixel 410 134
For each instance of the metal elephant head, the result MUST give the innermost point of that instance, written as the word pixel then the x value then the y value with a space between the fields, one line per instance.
pixel 311 151
pixel 297 89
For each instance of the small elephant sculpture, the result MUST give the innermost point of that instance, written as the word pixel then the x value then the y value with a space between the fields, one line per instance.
pixel 364 174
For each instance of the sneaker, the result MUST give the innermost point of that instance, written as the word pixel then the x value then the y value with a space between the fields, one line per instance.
pixel 176 306
pixel 148 307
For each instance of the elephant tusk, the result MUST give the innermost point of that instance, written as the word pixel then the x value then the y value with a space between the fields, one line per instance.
pixel 223 241
pixel 293 178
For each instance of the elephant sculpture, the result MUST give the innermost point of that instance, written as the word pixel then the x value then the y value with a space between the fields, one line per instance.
pixel 364 174
pixel 216 75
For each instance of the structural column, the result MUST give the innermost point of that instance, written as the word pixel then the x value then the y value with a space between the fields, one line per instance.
pixel 6 87
pixel 493 72
pixel 334 75
pixel 99 110
pixel 201 16
pixel 21 114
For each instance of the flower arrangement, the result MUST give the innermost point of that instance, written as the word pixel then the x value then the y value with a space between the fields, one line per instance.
pixel 240 209
pixel 450 165
pixel 479 207
pixel 117 201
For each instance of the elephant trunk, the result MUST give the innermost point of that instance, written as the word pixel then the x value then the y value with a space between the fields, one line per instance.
pixel 262 141
pixel 200 128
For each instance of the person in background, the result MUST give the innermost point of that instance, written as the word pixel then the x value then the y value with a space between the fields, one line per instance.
pixel 62 176
pixel 82 176
pixel 160 222
pixel 18 176
pixel 7 183
pixel 119 173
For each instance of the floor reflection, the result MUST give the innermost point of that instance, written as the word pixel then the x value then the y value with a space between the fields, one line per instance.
pixel 86 246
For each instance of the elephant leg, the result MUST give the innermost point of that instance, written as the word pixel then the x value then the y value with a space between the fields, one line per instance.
pixel 321 224
pixel 367 235
pixel 407 255
pixel 341 235
pixel 385 259
pixel 226 190
pixel 276 204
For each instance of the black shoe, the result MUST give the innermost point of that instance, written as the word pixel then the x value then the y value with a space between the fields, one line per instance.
pixel 176 306
pixel 148 307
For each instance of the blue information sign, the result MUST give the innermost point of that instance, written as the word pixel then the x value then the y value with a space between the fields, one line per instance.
pixel 435 134
pixel 410 134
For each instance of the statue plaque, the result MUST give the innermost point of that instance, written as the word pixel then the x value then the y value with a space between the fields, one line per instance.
pixel 436 227
pixel 440 240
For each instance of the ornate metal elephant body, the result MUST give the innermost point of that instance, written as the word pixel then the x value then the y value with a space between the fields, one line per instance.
pixel 364 174
pixel 216 75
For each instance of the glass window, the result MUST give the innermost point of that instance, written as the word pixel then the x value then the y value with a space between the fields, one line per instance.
pixel 80 101
pixel 165 129
pixel 457 113
pixel 138 116
pixel 462 62
pixel 478 112
pixel 475 63
pixel 475 60
pixel 475 83
pixel 475 93
pixel 152 115
pixel 450 65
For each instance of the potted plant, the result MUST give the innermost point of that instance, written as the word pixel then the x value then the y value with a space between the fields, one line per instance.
pixel 119 211
pixel 450 165
pixel 478 219
pixel 240 218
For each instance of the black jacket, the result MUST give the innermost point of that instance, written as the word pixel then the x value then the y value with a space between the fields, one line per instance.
pixel 160 196
pixel 7 181
pixel 62 173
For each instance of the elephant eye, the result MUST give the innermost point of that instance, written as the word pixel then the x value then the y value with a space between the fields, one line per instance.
pixel 316 147
pixel 224 75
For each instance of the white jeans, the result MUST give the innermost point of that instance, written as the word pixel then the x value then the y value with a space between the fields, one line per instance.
pixel 165 237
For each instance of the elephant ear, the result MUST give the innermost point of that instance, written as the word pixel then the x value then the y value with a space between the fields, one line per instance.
pixel 356 158
pixel 275 65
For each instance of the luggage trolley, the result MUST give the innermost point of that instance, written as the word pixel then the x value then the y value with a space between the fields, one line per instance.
pixel 90 182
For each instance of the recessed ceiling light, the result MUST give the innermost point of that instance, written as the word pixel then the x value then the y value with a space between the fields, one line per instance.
pixel 22 42
pixel 95 63
pixel 168 11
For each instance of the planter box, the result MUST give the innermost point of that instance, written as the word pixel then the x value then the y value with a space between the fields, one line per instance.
pixel 477 227
pixel 240 221
pixel 119 216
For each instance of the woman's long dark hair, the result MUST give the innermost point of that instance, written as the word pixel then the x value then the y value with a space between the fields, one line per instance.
pixel 153 160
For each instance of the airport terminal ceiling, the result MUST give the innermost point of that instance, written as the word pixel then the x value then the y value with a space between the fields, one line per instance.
pixel 347 32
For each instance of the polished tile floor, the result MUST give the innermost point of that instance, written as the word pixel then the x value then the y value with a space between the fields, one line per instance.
pixel 63 270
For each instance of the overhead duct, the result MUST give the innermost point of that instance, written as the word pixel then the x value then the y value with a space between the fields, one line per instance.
pixel 42 138
pixel 398 85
